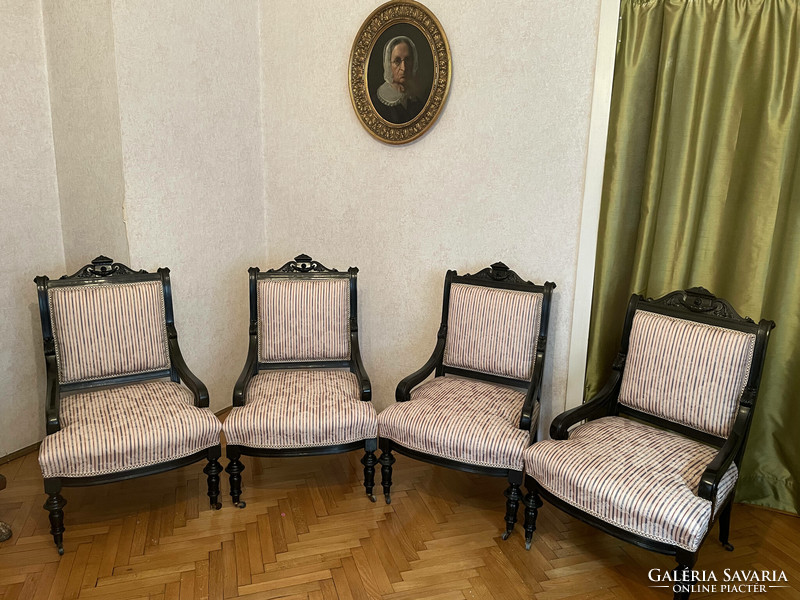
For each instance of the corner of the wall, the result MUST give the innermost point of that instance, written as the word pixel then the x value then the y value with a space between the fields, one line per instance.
pixel 592 196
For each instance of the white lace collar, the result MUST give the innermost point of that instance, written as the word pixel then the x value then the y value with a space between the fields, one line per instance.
pixel 390 96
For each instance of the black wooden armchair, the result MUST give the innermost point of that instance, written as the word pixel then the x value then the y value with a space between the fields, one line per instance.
pixel 114 405
pixel 481 409
pixel 657 459
pixel 304 390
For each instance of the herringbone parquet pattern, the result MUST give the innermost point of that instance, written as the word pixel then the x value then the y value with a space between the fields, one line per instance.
pixel 308 531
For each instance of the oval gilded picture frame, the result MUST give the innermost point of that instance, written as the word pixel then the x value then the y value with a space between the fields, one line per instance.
pixel 399 71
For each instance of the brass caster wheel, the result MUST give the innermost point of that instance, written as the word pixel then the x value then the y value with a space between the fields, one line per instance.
pixel 240 504
pixel 372 497
pixel 506 535
pixel 216 506
pixel 5 532
pixel 388 498
pixel 61 550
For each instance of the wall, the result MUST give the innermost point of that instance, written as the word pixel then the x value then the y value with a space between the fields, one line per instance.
pixel 85 116
pixel 30 228
pixel 154 112
pixel 191 149
pixel 210 137
pixel 498 177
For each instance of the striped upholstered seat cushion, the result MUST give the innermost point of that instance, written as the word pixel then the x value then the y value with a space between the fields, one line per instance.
pixel 686 372
pixel 639 478
pixel 124 428
pixel 108 330
pixel 492 331
pixel 461 419
pixel 300 408
pixel 303 319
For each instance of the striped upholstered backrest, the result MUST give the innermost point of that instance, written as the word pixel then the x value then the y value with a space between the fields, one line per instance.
pixel 108 330
pixel 686 372
pixel 492 330
pixel 303 319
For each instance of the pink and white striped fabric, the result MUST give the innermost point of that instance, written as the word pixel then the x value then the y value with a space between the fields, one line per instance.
pixel 303 319
pixel 686 372
pixel 637 477
pixel 298 408
pixel 492 331
pixel 119 429
pixel 461 419
pixel 108 330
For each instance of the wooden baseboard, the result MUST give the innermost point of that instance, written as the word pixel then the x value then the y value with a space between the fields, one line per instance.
pixel 18 453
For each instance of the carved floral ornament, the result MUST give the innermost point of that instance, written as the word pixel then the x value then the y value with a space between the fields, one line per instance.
pixel 102 266
pixel 700 300
pixel 399 110
pixel 303 264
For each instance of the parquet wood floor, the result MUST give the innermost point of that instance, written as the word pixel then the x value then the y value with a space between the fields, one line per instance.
pixel 308 531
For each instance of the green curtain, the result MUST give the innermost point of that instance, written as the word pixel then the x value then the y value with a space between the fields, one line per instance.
pixel 702 187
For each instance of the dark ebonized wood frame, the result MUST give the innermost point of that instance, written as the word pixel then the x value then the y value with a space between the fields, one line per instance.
pixel 695 304
pixel 302 267
pixel 5 528
pixel 501 277
pixel 104 271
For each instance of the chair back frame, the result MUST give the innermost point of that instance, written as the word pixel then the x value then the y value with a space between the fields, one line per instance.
pixel 497 276
pixel 701 306
pixel 303 267
pixel 104 271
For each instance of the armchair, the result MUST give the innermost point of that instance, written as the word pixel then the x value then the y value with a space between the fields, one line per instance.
pixel 115 407
pixel 303 390
pixel 656 459
pixel 481 409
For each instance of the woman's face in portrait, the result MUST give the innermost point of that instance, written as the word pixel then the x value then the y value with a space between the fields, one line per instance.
pixel 402 65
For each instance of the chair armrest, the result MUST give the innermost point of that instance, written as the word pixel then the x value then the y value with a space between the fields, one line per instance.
pixel 403 392
pixel 250 368
pixel 593 409
pixel 357 367
pixel 191 381
pixel 709 481
pixel 534 390
pixel 53 398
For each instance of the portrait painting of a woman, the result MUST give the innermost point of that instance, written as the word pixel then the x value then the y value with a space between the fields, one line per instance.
pixel 398 99
pixel 401 74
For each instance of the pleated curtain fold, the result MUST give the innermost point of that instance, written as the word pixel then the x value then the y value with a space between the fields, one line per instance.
pixel 702 187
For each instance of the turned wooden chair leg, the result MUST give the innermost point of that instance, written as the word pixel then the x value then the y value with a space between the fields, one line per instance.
pixel 212 470
pixel 55 506
pixel 234 469
pixel 684 576
pixel 386 460
pixel 683 582
pixel 725 527
pixel 532 504
pixel 513 496
pixel 369 461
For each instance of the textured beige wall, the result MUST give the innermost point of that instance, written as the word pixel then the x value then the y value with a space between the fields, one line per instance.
pixel 236 145
pixel 191 146
pixel 30 227
pixel 498 177
pixel 85 117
